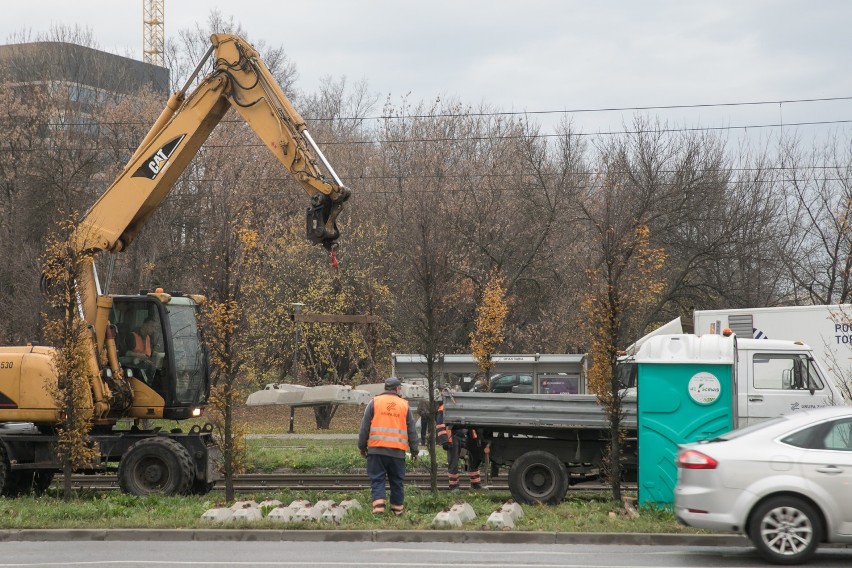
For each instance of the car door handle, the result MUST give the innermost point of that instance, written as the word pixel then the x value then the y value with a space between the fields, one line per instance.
pixel 830 470
pixel 755 399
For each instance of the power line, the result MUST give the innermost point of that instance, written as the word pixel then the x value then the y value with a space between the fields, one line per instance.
pixel 490 137
pixel 595 110
pixel 385 177
pixel 523 113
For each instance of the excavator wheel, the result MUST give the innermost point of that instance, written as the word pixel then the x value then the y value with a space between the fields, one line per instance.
pixel 8 487
pixel 31 482
pixel 201 487
pixel 158 466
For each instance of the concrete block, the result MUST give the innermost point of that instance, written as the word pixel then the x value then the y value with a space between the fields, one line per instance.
pixel 281 514
pixel 244 505
pixel 335 514
pixel 464 511
pixel 351 504
pixel 513 509
pixel 332 394
pixel 373 389
pixel 500 520
pixel 407 391
pixel 217 515
pixel 268 504
pixel 247 513
pixel 299 503
pixel 277 394
pixel 446 519
pixel 413 392
pixel 307 514
pixel 324 505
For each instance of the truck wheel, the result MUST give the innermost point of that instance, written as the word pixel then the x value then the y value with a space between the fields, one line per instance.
pixel 156 466
pixel 785 530
pixel 538 477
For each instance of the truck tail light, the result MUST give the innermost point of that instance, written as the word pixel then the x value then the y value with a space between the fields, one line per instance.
pixel 691 459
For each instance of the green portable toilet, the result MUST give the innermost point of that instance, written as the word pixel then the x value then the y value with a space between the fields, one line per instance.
pixel 686 391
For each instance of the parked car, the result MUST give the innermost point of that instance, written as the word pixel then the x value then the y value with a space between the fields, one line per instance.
pixel 784 482
pixel 512 382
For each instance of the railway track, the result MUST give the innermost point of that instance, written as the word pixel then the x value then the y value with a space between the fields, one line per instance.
pixel 313 481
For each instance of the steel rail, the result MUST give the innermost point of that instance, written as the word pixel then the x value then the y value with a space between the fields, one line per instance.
pixel 314 481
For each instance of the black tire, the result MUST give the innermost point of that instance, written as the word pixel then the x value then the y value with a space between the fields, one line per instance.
pixel 538 477
pixel 785 530
pixel 201 487
pixel 42 481
pixel 156 466
pixel 32 481
pixel 8 483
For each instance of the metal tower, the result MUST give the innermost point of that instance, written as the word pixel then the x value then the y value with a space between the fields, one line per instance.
pixel 153 39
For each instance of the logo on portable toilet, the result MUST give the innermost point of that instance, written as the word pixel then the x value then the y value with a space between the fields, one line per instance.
pixel 704 388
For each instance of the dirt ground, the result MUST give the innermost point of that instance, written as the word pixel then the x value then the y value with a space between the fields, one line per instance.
pixel 275 419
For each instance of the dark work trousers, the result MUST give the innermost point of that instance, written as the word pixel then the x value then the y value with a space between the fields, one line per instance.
pixel 424 430
pixel 474 460
pixel 380 467
pixel 453 451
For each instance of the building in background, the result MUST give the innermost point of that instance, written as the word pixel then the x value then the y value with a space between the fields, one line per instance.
pixel 91 75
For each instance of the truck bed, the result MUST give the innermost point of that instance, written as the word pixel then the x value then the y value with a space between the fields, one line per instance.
pixel 538 411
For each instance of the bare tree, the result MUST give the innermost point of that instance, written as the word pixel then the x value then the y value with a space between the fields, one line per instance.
pixel 819 211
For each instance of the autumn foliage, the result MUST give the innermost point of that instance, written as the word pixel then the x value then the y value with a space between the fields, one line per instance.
pixel 487 334
pixel 624 284
pixel 62 266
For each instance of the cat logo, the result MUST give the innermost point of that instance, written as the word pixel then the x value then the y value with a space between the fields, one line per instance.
pixel 159 160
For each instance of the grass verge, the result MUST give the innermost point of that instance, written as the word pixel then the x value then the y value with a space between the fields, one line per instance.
pixel 578 513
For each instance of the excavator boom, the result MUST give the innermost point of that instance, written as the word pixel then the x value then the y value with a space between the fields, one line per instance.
pixel 240 80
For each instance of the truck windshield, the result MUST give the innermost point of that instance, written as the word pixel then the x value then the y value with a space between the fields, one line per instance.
pixel 626 371
pixel 188 355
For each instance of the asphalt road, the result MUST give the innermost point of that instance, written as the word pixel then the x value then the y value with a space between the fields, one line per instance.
pixel 265 554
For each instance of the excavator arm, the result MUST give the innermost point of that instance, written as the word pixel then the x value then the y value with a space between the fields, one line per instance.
pixel 241 80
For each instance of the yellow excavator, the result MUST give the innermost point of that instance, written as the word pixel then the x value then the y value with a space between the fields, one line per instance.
pixel 163 372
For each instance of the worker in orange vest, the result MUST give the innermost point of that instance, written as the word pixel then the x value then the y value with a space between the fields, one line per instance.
pixel 387 432
pixel 453 438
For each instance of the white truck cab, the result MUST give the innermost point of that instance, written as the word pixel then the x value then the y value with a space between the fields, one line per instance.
pixel 773 377
pixel 777 377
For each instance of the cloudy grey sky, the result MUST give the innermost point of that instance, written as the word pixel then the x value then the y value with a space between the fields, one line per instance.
pixel 535 55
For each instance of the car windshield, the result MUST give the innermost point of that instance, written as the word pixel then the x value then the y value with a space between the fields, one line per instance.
pixel 733 434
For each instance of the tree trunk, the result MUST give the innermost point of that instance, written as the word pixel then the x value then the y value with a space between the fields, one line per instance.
pixel 229 448
pixel 323 415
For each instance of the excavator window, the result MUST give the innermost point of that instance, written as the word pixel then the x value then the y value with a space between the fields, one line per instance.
pixel 140 341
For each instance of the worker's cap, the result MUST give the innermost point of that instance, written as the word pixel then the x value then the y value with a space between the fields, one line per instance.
pixel 392 383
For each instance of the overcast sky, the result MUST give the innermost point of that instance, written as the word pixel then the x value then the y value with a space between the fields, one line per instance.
pixel 532 55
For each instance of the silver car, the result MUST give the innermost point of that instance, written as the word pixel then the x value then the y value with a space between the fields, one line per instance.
pixel 786 483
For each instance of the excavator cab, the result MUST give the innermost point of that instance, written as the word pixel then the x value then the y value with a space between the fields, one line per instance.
pixel 159 344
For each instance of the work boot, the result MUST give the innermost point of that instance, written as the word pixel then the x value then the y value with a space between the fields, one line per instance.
pixel 379 507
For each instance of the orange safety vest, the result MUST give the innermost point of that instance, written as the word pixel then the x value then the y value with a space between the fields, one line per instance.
pixel 141 344
pixel 389 427
pixel 443 434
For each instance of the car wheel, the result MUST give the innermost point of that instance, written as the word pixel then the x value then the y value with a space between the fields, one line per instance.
pixel 785 530
pixel 538 477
